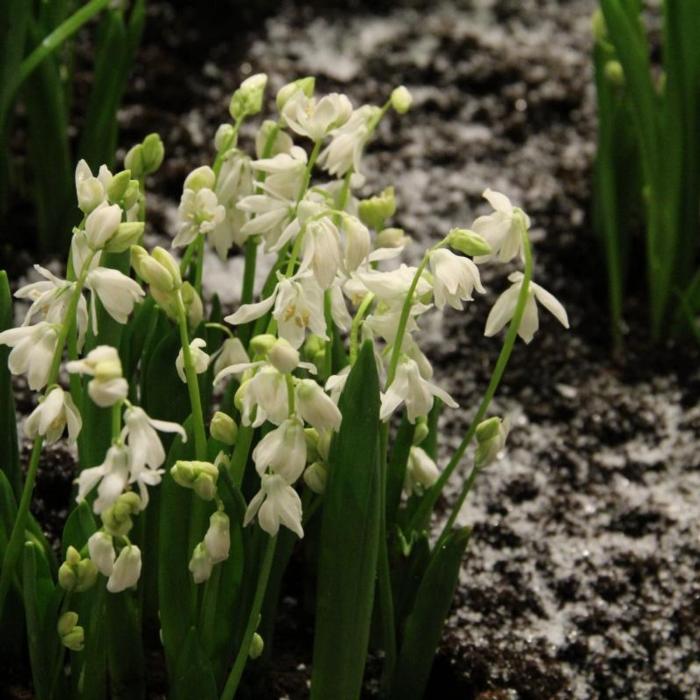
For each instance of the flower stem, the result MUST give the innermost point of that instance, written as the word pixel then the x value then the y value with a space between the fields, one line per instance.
pixel 357 324
pixel 427 504
pixel 234 677
pixel 200 436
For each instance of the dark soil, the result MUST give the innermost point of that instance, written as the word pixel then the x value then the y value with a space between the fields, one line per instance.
pixel 582 574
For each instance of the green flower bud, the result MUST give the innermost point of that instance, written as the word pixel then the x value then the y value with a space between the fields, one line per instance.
pixel 223 428
pixel 127 234
pixel 247 100
pixel 200 178
pixel 67 577
pixel 224 137
pixel 193 304
pixel 87 575
pixel 133 160
pixel 401 99
pixel 205 487
pixel 306 85
pixel 118 186
pixel 283 356
pixel 375 210
pixel 66 623
pixel 391 238
pixel 72 556
pixel 75 639
pixel 491 437
pixel 256 646
pixel 161 256
pixel 422 430
pixel 614 73
pixel 316 477
pixel 196 475
pixel 261 344
pixel 152 153
pixel 468 242
pixel 132 194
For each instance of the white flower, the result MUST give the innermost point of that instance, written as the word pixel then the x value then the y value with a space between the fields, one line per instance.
pixel 126 571
pixel 313 118
pixel 269 215
pixel 32 351
pixel 101 224
pixel 199 212
pixel 52 415
pixel 90 190
pixel 283 357
pixel 218 537
pixel 110 477
pixel 283 450
pixel 117 292
pixel 201 564
pixel 298 305
pixel 284 173
pixel 315 407
pixel 107 386
pixel 454 279
pixel 321 251
pixel 345 149
pixel 393 284
pixel 336 383
pixel 410 388
pixel 139 433
pixel 277 503
pixel 357 243
pixel 502 229
pixel 200 359
pixel 102 554
pixel 504 308
pixel 232 352
pixel 421 472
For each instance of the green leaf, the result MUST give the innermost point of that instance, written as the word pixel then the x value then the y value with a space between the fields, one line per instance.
pixel 9 451
pixel 396 468
pixel 349 540
pixel 127 675
pixel 424 624
pixel 193 676
pixel 78 528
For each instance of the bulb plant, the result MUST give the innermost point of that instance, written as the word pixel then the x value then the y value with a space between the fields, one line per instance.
pixel 648 160
pixel 210 446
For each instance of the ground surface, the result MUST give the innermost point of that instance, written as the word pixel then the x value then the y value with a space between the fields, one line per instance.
pixel 582 575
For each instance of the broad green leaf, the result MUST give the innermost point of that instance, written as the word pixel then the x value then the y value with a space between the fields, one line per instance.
pixel 78 528
pixel 349 540
pixel 396 468
pixel 125 660
pixel 193 677
pixel 424 624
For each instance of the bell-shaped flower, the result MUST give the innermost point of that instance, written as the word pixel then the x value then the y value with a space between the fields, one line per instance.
pixel 107 386
pixel 126 571
pixel 102 554
pixel 357 243
pixel 111 478
pixel 269 215
pixel 345 149
pixel 454 279
pixel 421 472
pixel 411 388
pixel 284 173
pixel 283 451
pixel 315 407
pixel 393 285
pixel 33 348
pixel 321 251
pixel 140 433
pixel 298 305
pixel 277 503
pixel 504 309
pixel 200 359
pixel 102 224
pixel 232 352
pixel 314 118
pixel 218 537
pixel 199 213
pixel 117 292
pixel 50 418
pixel 503 229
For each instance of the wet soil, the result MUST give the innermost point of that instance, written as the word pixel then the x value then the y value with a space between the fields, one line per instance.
pixel 582 575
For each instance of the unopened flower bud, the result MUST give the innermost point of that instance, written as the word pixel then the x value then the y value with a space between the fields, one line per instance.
pixel 71 634
pixel 223 428
pixel 224 137
pixel 491 437
pixel 87 575
pixel 128 234
pixel 468 242
pixel 376 210
pixel 256 646
pixel 316 477
pixel 153 153
pixel 401 99
pixel 391 238
pixel 201 564
pixel 163 257
pixel 421 431
pixel 247 100
pixel 614 73
pixel 283 356
pixel 126 571
pixel 193 304
pixel 67 578
pixel 261 344
pixel 132 194
pixel 101 548
pixel 118 186
pixel 218 537
pixel 101 224
pixel 196 475
pixel 306 85
pixel 200 178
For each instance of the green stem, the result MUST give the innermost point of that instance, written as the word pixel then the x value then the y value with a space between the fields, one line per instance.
pixel 48 45
pixel 428 503
pixel 199 269
pixel 234 677
pixel 357 325
pixel 200 436
pixel 251 254
pixel 14 545
pixel 116 420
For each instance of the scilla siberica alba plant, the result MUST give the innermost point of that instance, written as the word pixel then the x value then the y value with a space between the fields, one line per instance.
pixel 326 428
